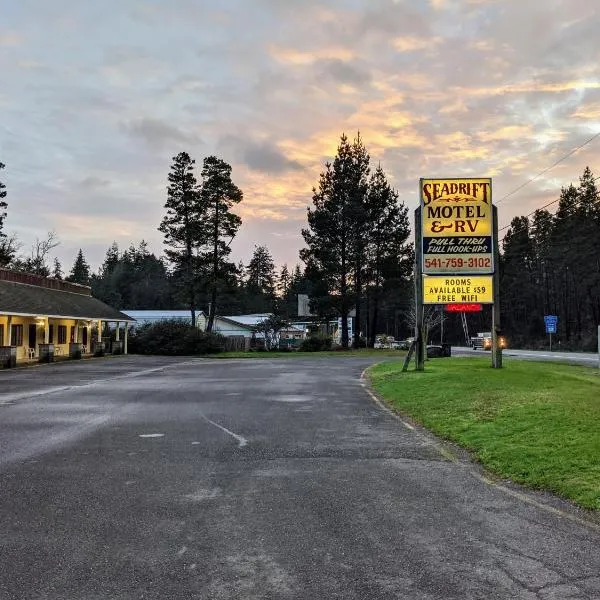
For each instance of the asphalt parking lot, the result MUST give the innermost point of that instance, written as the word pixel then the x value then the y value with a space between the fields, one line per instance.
pixel 159 478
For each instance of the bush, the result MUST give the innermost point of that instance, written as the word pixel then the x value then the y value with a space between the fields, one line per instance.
pixel 174 338
pixel 316 343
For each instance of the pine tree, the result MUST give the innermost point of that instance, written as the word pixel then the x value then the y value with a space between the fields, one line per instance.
pixel 389 253
pixel 7 245
pixel 80 273
pixel 260 272
pixel 516 279
pixel 181 226
pixel 3 203
pixel 335 252
pixel 57 273
pixel 361 227
pixel 297 274
pixel 218 224
pixel 285 281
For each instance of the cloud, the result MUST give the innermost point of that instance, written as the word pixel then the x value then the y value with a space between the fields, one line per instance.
pixel 11 39
pixel 159 134
pixel 413 43
pixel 92 182
pixel 351 73
pixel 293 56
pixel 263 156
pixel 91 122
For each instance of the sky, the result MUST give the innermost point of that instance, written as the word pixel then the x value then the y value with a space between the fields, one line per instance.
pixel 97 97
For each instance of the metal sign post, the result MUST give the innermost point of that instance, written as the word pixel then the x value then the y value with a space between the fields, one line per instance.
pixel 551 322
pixel 419 310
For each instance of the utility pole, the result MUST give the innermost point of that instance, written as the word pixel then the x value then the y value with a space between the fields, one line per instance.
pixel 496 328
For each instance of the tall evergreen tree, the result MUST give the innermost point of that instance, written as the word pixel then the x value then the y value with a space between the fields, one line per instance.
pixel 57 272
pixel 285 280
pixel 330 235
pixel 389 253
pixel 80 272
pixel 361 226
pixel 3 203
pixel 542 224
pixel 181 226
pixel 135 279
pixel 517 269
pixel 7 245
pixel 259 284
pixel 219 225
pixel 260 272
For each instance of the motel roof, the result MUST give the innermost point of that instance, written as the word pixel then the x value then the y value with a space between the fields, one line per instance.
pixel 31 296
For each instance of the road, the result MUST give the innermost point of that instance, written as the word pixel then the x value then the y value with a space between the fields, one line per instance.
pixel 576 358
pixel 145 478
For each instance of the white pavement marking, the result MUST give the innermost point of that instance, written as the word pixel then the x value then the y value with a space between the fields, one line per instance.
pixel 242 441
pixel 10 398
pixel 151 435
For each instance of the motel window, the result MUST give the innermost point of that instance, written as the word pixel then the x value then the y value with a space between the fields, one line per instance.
pixel 62 334
pixel 16 335
pixel 51 334
pixel 1 334
pixel 72 338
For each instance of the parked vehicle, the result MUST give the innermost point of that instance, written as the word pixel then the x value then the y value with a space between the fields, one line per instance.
pixel 406 344
pixel 386 341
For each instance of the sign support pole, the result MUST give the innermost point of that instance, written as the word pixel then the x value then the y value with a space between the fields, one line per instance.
pixel 419 312
pixel 550 342
pixel 496 328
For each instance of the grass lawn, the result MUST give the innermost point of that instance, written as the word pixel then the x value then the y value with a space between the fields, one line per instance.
pixel 535 423
pixel 357 353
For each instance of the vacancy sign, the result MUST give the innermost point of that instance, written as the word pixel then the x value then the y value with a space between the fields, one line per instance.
pixel 458 290
pixel 457 226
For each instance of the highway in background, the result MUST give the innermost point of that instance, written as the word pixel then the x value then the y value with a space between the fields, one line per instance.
pixel 578 358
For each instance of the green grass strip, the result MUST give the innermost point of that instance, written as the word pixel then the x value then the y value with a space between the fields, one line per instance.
pixel 535 423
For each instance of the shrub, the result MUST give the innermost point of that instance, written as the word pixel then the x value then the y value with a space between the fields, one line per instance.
pixel 316 343
pixel 174 338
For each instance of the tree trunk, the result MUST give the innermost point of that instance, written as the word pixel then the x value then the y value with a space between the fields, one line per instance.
pixel 374 319
pixel 213 291
pixel 356 342
pixel 344 298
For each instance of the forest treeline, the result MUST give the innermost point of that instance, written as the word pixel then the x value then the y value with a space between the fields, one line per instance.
pixel 358 258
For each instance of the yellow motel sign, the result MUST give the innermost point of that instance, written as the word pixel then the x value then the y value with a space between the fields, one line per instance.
pixel 457 225
pixel 458 289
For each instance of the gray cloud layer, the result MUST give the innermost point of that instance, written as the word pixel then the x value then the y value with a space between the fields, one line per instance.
pixel 100 96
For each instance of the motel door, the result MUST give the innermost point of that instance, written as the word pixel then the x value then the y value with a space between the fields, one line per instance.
pixel 85 336
pixel 32 336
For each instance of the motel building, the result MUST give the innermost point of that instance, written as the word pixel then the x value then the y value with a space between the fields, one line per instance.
pixel 43 318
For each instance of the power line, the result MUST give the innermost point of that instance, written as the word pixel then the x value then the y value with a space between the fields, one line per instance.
pixel 540 208
pixel 589 141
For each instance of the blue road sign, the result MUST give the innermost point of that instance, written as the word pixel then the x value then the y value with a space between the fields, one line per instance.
pixel 551 322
